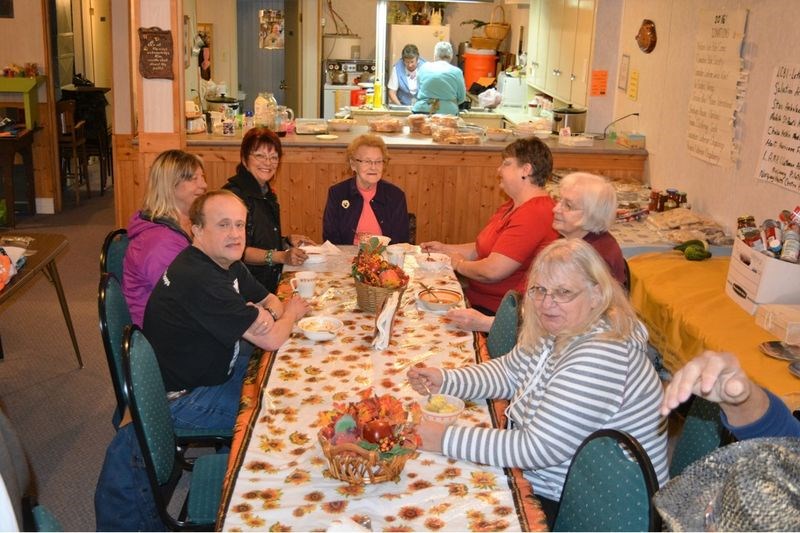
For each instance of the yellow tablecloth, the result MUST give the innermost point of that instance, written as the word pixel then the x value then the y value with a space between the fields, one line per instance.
pixel 684 305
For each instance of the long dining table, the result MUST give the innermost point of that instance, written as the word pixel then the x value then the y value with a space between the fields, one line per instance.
pixel 278 476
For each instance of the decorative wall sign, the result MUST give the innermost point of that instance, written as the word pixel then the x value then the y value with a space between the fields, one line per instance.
pixel 155 53
pixel 646 38
pixel 624 68
pixel 7 9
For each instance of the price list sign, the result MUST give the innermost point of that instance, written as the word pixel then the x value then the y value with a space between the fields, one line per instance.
pixel 780 156
pixel 155 53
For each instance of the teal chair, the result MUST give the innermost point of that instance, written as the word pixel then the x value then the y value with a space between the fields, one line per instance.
pixel 608 489
pixel 702 433
pixel 113 252
pixel 114 316
pixel 155 432
pixel 503 333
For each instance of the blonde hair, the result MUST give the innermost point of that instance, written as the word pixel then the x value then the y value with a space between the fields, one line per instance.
pixel 598 200
pixel 372 141
pixel 169 169
pixel 575 257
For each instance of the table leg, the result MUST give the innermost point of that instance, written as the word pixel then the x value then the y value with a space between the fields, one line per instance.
pixel 7 177
pixel 52 270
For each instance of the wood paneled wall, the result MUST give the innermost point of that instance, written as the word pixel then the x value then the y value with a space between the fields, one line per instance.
pixel 452 192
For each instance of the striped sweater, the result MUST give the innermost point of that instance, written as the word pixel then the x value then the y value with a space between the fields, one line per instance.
pixel 557 400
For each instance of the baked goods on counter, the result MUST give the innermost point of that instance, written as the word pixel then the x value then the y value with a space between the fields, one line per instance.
pixel 441 134
pixel 416 122
pixel 447 121
pixel 385 125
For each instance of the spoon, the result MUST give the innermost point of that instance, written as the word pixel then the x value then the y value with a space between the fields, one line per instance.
pixel 430 394
pixel 430 291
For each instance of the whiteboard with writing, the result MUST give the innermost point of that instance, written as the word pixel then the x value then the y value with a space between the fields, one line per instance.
pixel 780 152
pixel 717 83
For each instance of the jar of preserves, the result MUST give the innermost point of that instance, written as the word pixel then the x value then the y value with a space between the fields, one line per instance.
pixel 752 238
pixel 662 200
pixel 653 205
pixel 683 200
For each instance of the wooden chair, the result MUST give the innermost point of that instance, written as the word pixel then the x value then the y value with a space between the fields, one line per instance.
pixel 72 146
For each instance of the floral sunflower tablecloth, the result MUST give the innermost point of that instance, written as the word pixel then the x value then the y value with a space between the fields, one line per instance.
pixel 278 478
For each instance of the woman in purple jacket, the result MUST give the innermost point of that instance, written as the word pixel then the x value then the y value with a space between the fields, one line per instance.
pixel 161 229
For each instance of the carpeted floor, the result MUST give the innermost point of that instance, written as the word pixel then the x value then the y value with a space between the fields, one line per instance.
pixel 62 413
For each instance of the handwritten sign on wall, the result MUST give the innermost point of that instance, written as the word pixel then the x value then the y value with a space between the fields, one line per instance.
pixel 155 53
pixel 780 151
pixel 717 83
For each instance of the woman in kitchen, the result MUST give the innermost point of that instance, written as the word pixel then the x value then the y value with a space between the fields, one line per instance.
pixel 441 85
pixel 580 365
pixel 499 259
pixel 402 84
pixel 365 204
pixel 266 250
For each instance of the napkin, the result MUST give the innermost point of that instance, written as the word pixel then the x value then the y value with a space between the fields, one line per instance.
pixel 326 247
pixel 384 321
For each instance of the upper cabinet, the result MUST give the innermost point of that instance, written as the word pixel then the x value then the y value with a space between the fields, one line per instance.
pixel 559 48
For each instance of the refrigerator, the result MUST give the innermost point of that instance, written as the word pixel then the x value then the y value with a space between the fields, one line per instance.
pixel 425 37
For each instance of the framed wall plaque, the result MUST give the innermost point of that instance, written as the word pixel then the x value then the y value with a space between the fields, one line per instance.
pixel 155 53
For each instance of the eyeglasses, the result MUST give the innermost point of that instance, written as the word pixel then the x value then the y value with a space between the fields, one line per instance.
pixel 370 162
pixel 265 158
pixel 559 295
pixel 567 206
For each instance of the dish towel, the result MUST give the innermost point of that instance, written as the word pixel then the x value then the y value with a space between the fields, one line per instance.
pixel 384 321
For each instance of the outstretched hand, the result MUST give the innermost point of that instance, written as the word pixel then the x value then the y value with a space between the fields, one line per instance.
pixel 425 379
pixel 715 376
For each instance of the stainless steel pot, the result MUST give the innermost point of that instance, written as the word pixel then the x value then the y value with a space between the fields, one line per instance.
pixel 338 77
pixel 571 117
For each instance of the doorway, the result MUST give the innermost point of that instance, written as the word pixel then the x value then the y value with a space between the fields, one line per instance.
pixel 267 63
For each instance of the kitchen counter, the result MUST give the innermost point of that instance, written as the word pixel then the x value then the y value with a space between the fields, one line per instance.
pixel 416 141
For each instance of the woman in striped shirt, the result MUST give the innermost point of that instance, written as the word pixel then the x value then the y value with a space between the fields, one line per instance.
pixel 579 365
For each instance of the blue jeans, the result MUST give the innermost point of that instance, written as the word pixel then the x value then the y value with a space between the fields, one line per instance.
pixel 123 500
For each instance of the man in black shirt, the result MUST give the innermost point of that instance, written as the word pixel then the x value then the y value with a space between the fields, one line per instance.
pixel 197 318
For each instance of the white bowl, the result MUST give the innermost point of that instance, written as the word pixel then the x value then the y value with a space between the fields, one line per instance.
pixel 433 262
pixel 446 418
pixel 320 328
pixel 438 300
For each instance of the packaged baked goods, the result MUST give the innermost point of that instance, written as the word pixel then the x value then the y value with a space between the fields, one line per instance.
pixel 386 125
pixel 448 121
pixel 464 138
pixel 426 128
pixel 416 121
pixel 442 134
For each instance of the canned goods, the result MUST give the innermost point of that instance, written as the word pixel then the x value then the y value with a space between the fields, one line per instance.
pixel 744 223
pixel 791 244
pixel 654 195
pixel 796 215
pixel 752 238
pixel 772 235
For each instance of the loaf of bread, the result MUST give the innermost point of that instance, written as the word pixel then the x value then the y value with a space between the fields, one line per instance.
pixel 386 125
pixel 443 134
pixel 448 121
pixel 416 121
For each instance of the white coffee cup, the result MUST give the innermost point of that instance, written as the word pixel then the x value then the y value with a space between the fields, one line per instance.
pixel 396 255
pixel 192 108
pixel 304 283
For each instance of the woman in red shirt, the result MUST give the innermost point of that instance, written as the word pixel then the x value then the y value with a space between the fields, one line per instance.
pixel 499 258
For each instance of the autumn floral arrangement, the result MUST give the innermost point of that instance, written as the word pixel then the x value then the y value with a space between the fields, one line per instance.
pixel 367 441
pixel 375 277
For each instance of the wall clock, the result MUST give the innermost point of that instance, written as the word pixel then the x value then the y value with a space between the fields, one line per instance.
pixel 646 38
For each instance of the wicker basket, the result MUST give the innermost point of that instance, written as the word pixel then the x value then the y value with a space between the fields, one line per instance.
pixel 357 466
pixel 484 43
pixel 497 30
pixel 371 298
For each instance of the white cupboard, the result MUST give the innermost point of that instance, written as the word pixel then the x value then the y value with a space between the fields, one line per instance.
pixel 559 48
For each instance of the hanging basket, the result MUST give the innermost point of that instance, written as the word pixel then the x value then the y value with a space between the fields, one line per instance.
pixel 497 30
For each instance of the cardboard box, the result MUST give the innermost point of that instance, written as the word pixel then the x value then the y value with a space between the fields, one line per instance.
pixel 783 321
pixel 754 278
